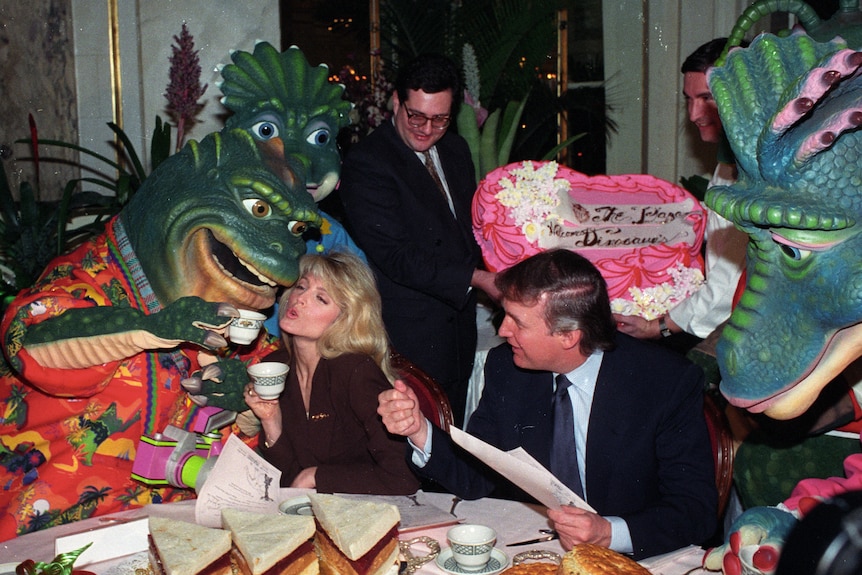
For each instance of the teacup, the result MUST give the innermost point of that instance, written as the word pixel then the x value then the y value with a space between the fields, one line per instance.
pixel 268 378
pixel 244 329
pixel 471 545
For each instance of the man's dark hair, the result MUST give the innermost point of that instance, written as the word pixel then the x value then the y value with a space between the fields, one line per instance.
pixel 705 56
pixel 574 292
pixel 431 73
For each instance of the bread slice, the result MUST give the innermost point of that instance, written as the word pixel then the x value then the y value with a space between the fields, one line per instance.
pixel 269 544
pixel 182 548
pixel 355 537
pixel 589 559
pixel 355 526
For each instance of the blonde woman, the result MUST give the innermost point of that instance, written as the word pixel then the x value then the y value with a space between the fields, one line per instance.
pixel 323 431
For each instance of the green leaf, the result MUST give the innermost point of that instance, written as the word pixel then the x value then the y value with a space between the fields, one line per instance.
pixel 63 215
pixel 130 150
pixel 562 145
pixel 75 147
pixel 7 202
pixel 469 130
pixel 511 120
pixel 160 146
pixel 29 207
pixel 488 146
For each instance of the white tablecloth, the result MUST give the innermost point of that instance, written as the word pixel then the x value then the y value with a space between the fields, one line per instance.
pixel 514 521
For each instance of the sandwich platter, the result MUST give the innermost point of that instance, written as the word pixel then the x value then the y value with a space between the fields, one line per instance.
pixel 497 563
pixel 8 568
pixel 296 506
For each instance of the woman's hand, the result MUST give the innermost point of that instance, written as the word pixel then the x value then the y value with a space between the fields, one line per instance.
pixel 268 411
pixel 307 478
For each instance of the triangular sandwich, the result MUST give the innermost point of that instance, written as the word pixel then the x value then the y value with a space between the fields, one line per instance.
pixel 355 537
pixel 270 544
pixel 183 548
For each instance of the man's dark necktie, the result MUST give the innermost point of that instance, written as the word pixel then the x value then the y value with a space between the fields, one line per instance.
pixel 564 456
pixel 432 169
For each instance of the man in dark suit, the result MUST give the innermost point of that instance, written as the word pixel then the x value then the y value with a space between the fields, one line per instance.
pixel 407 190
pixel 644 460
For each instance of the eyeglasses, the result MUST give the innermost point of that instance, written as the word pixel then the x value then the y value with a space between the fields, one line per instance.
pixel 417 120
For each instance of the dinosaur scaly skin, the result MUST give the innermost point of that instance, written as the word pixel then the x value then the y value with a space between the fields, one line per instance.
pixel 791 108
pixel 291 109
pixel 229 235
pixel 98 348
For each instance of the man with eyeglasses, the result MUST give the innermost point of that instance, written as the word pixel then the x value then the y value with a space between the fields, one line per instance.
pixel 407 191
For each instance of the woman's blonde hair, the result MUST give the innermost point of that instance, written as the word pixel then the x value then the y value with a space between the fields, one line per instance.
pixel 359 327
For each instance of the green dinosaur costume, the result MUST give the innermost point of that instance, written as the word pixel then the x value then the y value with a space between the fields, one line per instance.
pixel 791 108
pixel 98 348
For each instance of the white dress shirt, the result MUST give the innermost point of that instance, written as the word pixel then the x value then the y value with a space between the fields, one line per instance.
pixel 581 392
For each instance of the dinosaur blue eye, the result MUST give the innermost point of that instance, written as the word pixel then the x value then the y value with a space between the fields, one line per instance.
pixel 318 137
pixel 256 207
pixel 791 251
pixel 264 131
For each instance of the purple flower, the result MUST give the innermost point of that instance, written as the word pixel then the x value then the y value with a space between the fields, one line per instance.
pixel 184 89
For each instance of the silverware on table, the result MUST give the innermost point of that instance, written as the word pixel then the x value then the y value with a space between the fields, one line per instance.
pixel 455 501
pixel 549 537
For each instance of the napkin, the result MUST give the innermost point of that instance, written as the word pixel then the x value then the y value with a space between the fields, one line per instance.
pixel 109 542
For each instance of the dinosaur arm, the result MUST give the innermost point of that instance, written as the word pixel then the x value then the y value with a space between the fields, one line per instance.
pixel 84 352
pixel 86 337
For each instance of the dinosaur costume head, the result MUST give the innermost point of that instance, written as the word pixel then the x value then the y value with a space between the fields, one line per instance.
pixel 291 109
pixel 791 108
pixel 213 222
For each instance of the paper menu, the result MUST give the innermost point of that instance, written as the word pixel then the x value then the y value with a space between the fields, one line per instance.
pixel 523 470
pixel 240 478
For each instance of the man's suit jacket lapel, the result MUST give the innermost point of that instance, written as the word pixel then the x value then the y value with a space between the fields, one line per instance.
pixel 609 415
pixel 421 185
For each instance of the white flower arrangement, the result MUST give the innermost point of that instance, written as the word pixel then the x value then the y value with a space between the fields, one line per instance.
pixel 654 302
pixel 533 196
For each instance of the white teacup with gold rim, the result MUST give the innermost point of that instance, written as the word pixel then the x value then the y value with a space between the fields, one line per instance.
pixel 244 329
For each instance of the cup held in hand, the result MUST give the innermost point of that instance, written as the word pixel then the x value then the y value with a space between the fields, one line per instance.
pixel 268 378
pixel 244 329
pixel 471 545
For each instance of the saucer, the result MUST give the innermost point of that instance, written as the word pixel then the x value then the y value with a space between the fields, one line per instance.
pixel 296 506
pixel 497 563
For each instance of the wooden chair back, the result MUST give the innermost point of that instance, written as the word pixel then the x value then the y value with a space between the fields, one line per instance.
pixel 432 399
pixel 722 449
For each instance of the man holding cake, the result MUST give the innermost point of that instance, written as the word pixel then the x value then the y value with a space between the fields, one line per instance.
pixel 702 312
pixel 407 190
pixel 618 420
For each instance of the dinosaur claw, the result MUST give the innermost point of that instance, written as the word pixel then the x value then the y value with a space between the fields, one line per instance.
pixel 213 340
pixel 192 384
pixel 212 372
pixel 731 565
pixel 227 310
pixel 199 400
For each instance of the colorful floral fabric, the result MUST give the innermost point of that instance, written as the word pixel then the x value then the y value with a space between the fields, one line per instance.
pixel 68 437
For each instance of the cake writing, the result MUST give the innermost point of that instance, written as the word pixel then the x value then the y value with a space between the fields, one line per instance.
pixel 634 215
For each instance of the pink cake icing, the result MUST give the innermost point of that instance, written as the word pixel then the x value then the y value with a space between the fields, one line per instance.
pixel 637 229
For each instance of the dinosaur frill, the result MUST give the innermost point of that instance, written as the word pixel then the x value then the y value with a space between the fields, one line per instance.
pixel 791 108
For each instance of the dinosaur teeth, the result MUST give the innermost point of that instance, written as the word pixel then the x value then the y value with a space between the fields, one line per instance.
pixel 259 275
pixel 247 266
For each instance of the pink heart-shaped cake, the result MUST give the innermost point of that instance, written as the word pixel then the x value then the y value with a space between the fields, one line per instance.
pixel 644 234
